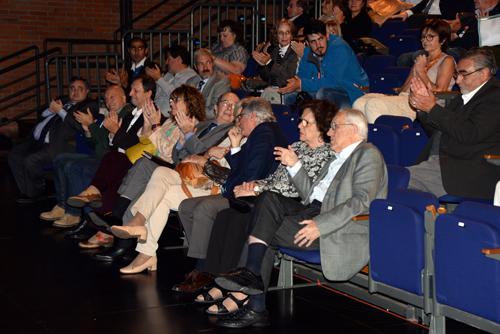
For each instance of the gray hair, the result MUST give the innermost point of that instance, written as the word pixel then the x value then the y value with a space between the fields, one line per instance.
pixel 261 108
pixel 203 52
pixel 482 58
pixel 357 118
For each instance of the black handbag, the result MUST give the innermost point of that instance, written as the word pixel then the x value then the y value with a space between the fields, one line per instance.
pixel 216 172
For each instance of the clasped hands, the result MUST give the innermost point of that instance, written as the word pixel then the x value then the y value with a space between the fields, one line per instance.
pixel 421 96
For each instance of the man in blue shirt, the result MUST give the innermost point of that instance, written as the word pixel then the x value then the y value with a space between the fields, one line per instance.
pixel 328 69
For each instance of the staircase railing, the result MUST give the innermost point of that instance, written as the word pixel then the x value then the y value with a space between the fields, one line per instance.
pixel 59 69
pixel 34 86
pixel 157 41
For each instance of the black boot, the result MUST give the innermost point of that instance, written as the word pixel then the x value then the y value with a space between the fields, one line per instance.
pixel 123 249
pixel 82 232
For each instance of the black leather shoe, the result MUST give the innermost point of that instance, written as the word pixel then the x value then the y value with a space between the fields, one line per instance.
pixel 82 232
pixel 241 280
pixel 123 249
pixel 102 222
pixel 244 317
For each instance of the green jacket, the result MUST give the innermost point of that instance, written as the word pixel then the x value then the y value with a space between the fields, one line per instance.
pixel 99 135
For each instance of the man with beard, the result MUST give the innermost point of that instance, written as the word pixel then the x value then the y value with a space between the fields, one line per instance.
pixel 328 70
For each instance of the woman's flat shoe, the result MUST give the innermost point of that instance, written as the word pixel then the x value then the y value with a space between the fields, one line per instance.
pixel 127 232
pixel 151 264
pixel 97 240
pixel 222 309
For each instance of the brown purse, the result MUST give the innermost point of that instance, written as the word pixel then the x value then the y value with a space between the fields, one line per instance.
pixel 192 174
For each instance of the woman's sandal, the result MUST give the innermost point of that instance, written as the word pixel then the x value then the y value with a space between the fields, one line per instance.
pixel 222 309
pixel 208 298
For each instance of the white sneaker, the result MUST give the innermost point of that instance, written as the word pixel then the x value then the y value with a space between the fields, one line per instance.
pixel 67 221
pixel 56 213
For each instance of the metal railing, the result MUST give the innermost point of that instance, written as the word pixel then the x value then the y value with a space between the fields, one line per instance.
pixel 91 66
pixel 33 87
pixel 157 41
pixel 71 45
pixel 206 18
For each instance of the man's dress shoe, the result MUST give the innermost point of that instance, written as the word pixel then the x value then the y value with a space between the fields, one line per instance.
pixel 121 250
pixel 81 232
pixel 241 280
pixel 245 317
pixel 194 281
pixel 103 222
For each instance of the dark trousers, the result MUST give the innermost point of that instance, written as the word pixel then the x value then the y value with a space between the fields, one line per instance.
pixel 277 221
pixel 29 161
pixel 227 240
pixel 108 177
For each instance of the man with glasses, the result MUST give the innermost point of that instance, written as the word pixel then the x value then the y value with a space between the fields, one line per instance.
pixel 328 70
pixel 462 133
pixel 323 219
pixel 211 85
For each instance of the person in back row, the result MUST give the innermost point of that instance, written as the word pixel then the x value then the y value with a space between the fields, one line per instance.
pixel 328 70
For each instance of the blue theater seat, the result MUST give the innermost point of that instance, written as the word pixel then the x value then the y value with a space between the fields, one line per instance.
pixel 397 123
pixel 386 140
pixel 378 63
pixel 388 30
pixel 397 244
pixel 467 280
pixel 402 44
pixel 411 143
pixel 288 119
pixel 384 83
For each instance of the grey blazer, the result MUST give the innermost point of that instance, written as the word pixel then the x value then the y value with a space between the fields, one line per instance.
pixel 195 145
pixel 216 85
pixel 344 242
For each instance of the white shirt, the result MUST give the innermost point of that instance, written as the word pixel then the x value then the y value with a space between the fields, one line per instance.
pixel 321 188
pixel 468 96
pixel 137 113
pixel 139 64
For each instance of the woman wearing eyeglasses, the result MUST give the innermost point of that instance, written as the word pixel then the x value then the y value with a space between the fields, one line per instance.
pixel 435 68
pixel 231 226
pixel 187 109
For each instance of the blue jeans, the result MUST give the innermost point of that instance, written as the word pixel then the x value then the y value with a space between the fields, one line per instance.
pixel 73 173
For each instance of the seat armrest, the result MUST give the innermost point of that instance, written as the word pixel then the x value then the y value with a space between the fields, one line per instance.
pixel 493 159
pixel 360 218
pixel 492 253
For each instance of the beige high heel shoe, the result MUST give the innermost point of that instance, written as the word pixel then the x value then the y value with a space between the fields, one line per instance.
pixel 151 264
pixel 127 232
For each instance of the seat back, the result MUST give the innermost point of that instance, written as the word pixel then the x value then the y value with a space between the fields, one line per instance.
pixel 397 123
pixel 378 63
pixel 288 119
pixel 386 141
pixel 411 143
pixel 397 231
pixel 384 83
pixel 388 30
pixel 465 278
pixel 399 177
pixel 402 44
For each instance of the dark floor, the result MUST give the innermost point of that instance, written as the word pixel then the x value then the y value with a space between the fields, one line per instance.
pixel 48 285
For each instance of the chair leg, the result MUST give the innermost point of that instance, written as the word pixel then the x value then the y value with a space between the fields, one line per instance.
pixel 285 278
pixel 438 324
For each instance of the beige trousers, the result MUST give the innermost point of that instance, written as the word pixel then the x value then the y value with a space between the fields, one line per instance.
pixel 374 105
pixel 163 193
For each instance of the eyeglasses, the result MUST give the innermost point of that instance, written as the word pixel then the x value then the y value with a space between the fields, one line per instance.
pixel 305 122
pixel 175 99
pixel 334 126
pixel 464 73
pixel 428 37
pixel 240 116
pixel 226 103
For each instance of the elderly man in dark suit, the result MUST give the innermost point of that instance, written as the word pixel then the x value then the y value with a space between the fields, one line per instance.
pixel 252 161
pixel 323 220
pixel 463 132
pixel 53 135
pixel 211 85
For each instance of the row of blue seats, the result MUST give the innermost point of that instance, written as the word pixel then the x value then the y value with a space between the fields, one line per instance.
pixel 435 265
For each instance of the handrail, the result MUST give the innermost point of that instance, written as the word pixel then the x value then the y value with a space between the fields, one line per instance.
pixel 79 41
